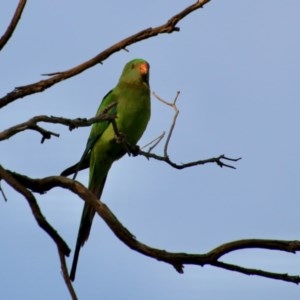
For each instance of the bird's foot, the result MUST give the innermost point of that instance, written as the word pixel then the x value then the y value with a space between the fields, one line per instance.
pixel 130 149
pixel 134 149
pixel 120 138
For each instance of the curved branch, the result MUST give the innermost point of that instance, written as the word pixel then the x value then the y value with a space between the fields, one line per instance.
pixel 40 219
pixel 255 243
pixel 13 24
pixel 173 105
pixel 62 248
pixel 176 259
pixel 168 27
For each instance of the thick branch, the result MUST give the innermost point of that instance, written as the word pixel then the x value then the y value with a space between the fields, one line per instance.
pixel 168 27
pixel 13 24
pixel 40 219
pixel 177 260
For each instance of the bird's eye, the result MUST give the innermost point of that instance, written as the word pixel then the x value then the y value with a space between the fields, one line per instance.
pixel 132 66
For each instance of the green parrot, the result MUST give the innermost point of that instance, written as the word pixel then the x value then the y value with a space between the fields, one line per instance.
pixel 132 110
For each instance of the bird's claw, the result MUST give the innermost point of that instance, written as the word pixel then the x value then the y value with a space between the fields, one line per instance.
pixel 130 149
pixel 120 138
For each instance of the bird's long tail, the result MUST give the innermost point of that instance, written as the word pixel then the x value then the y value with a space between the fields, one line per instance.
pixel 87 216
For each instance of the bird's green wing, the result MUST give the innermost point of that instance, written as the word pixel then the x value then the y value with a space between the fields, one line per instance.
pixel 99 127
pixel 107 106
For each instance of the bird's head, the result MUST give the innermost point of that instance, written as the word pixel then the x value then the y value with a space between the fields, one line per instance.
pixel 136 71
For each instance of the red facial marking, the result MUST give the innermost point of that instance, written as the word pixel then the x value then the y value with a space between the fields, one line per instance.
pixel 144 68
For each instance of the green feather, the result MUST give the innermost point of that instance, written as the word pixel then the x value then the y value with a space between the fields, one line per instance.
pixel 132 109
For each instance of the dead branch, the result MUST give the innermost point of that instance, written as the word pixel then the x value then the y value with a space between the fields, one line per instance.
pixel 154 142
pixel 249 271
pixel 176 259
pixel 65 273
pixel 39 217
pixel 165 157
pixel 13 24
pixel 169 27
pixel 72 123
pixel 130 149
pixel 173 105
pixel 217 160
pixel 2 193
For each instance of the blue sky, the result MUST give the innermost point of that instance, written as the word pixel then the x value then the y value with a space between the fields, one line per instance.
pixel 236 64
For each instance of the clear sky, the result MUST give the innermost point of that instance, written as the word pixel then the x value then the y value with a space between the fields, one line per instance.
pixel 237 65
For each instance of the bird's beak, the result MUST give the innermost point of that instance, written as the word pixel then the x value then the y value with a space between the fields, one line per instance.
pixel 144 68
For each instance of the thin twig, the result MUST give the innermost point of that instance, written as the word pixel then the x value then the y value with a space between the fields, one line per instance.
pixel 173 105
pixel 154 142
pixel 13 24
pixel 2 193
pixel 217 160
pixel 250 271
pixel 65 273
pixel 46 134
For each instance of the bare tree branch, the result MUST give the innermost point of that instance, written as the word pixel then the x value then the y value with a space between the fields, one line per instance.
pixel 257 272
pixel 65 274
pixel 13 24
pixel 40 219
pixel 176 259
pixel 218 160
pixel 154 142
pixel 168 27
pixel 2 193
pixel 173 105
pixel 72 123
pixel 23 184
pixel 62 247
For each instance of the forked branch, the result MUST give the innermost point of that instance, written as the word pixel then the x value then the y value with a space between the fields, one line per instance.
pixel 176 259
pixel 31 124
pixel 219 160
pixel 39 217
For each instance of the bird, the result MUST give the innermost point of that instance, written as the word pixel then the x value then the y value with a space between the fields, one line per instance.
pixel 130 102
